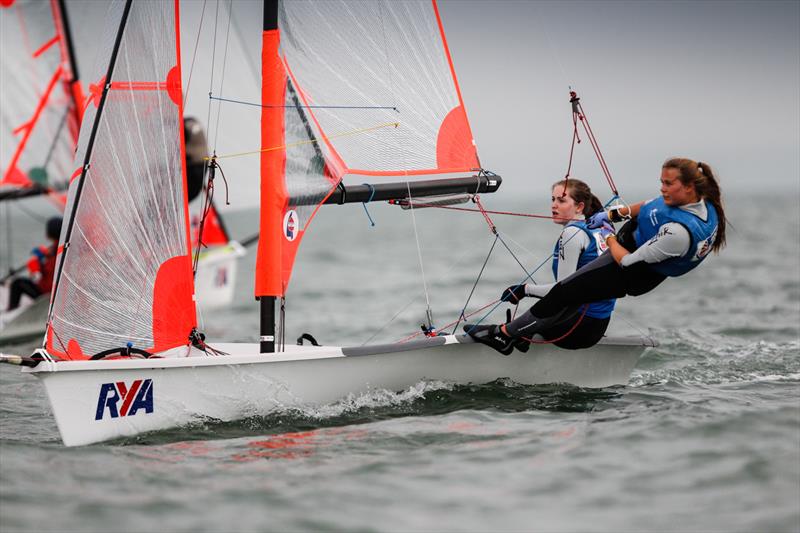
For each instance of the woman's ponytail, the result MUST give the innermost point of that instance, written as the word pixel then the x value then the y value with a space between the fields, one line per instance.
pixel 707 187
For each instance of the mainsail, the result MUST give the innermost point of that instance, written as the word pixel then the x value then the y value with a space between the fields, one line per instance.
pixel 41 99
pixel 125 271
pixel 351 87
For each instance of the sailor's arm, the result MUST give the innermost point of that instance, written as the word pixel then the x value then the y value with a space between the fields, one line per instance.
pixel 672 240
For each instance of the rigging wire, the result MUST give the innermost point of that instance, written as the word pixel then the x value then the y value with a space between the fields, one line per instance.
pixel 311 141
pixel 222 77
pixel 413 299
pixel 428 311
pixel 194 55
pixel 274 106
pixel 475 285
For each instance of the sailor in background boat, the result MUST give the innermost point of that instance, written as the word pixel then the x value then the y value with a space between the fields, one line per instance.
pixel 196 152
pixel 664 237
pixel 576 247
pixel 41 266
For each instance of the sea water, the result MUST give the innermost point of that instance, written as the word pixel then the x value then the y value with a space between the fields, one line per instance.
pixel 705 436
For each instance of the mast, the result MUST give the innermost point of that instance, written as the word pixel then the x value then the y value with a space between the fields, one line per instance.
pixel 273 193
pixel 87 156
pixel 74 82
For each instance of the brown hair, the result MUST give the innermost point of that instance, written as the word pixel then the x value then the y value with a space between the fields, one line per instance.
pixel 702 177
pixel 580 192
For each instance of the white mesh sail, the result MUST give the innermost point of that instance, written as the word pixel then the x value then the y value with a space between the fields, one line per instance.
pixel 126 275
pixel 360 67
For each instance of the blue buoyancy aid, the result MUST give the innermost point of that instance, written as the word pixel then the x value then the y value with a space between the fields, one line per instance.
pixel 655 213
pixel 597 245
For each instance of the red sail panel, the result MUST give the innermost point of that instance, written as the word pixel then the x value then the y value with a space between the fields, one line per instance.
pixel 126 275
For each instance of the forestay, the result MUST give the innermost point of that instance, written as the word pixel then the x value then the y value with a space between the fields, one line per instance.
pixel 125 272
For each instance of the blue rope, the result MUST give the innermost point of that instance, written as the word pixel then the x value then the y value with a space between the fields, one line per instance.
pixel 304 106
pixel 371 195
pixel 611 201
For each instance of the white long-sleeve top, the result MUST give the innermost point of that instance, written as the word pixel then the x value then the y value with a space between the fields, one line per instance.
pixel 571 244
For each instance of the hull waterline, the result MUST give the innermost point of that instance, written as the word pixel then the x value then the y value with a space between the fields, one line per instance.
pixel 90 404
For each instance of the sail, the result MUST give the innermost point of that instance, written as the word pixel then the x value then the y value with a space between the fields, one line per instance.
pixel 41 99
pixel 124 264
pixel 379 84
pixel 367 88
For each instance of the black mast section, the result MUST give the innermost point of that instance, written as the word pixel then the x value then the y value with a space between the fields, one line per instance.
pixel 73 63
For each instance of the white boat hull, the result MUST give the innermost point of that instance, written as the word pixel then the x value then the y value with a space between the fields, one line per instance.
pixel 216 275
pixel 89 402
pixel 24 323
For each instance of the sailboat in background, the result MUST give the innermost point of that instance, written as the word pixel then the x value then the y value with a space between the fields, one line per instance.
pixel 39 124
pixel 364 89
pixel 43 106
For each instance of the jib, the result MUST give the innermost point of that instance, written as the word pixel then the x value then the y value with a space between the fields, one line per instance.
pixel 134 398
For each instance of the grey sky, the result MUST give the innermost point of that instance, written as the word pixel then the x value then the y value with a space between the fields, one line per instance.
pixel 717 81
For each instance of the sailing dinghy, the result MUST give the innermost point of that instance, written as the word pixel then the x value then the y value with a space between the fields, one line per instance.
pixel 42 103
pixel 349 88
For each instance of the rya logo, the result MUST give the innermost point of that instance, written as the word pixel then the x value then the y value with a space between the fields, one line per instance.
pixel 138 396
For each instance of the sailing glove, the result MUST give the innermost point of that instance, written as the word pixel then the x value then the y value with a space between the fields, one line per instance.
pixel 514 294
pixel 598 219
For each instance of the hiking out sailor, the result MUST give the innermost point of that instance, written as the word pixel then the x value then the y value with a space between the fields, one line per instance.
pixel 667 236
pixel 41 266
pixel 576 246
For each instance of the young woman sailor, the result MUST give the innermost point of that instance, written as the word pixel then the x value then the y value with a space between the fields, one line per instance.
pixel 576 247
pixel 665 237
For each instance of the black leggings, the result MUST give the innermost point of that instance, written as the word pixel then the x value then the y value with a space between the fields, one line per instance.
pixel 602 279
pixel 587 333
pixel 19 287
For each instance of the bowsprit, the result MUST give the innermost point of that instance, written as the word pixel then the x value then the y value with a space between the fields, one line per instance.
pixel 139 396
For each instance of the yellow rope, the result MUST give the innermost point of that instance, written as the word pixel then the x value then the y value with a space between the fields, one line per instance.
pixel 299 143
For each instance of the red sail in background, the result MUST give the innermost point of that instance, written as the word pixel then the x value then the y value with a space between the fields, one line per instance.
pixel 41 100
pixel 373 94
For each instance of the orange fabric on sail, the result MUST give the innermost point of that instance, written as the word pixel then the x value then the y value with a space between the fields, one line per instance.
pixel 274 198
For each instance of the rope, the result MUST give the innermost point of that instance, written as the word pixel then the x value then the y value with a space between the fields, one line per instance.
pixel 565 335
pixel 419 255
pixel 578 114
pixel 194 54
pixel 273 106
pixel 371 195
pixel 509 213
pixel 224 65
pixel 474 286
pixel 311 141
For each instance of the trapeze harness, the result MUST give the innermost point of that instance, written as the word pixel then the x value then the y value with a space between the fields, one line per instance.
pixel 603 278
pixel 585 326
